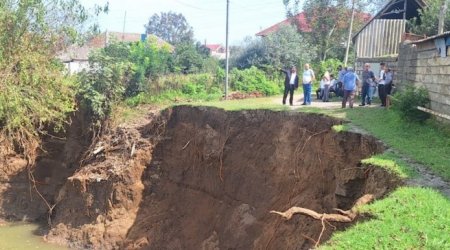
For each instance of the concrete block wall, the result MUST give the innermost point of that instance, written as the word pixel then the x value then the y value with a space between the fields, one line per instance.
pixel 420 65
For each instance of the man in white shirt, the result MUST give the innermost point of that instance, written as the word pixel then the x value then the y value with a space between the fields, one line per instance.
pixel 381 84
pixel 308 78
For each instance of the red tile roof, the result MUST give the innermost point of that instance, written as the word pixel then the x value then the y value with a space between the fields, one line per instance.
pixel 213 47
pixel 300 19
pixel 302 23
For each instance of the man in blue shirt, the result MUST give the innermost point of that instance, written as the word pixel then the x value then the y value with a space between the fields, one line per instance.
pixel 350 80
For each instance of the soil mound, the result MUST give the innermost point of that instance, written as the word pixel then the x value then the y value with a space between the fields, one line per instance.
pixel 204 178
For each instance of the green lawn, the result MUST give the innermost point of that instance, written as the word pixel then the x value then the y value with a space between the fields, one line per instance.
pixel 425 143
pixel 409 218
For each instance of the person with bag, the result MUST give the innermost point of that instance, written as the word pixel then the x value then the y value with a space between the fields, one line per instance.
pixel 290 84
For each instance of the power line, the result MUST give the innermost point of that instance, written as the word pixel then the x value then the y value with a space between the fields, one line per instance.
pixel 196 7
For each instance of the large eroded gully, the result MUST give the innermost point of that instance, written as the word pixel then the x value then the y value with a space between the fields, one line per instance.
pixel 205 178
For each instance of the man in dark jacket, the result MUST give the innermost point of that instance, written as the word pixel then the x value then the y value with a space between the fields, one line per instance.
pixel 290 84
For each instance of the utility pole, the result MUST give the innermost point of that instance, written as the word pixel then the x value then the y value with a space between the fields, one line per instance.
pixel 226 53
pixel 349 33
pixel 442 15
pixel 124 22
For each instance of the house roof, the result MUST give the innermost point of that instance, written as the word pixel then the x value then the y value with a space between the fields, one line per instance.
pixel 81 53
pixel 213 47
pixel 300 18
pixel 394 10
pixel 445 34
pixel 303 25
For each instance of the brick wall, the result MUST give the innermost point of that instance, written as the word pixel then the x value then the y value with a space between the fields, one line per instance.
pixel 420 65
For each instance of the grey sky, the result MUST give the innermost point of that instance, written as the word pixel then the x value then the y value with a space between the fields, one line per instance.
pixel 207 17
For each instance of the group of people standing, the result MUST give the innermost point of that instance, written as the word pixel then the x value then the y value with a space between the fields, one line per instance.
pixel 291 83
pixel 345 86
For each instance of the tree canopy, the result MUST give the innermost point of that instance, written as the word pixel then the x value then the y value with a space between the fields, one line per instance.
pixel 427 23
pixel 329 21
pixel 34 94
pixel 171 27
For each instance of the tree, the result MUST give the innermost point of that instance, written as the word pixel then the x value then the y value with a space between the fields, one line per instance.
pixel 329 21
pixel 34 94
pixel 250 53
pixel 187 59
pixel 171 27
pixel 287 47
pixel 427 23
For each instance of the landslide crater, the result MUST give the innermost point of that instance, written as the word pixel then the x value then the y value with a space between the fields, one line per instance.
pixel 205 178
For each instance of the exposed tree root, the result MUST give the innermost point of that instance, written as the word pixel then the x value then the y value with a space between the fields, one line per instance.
pixel 344 216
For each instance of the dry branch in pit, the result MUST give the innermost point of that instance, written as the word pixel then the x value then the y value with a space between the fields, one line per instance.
pixel 345 216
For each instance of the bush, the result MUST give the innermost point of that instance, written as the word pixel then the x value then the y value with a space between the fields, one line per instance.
pixel 253 79
pixel 329 65
pixel 406 102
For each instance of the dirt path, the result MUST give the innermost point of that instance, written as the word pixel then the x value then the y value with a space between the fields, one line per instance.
pixel 425 178
pixel 298 100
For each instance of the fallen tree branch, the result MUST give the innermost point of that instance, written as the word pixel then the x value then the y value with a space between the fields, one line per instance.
pixel 345 216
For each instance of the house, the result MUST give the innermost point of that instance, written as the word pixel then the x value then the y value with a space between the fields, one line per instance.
pixel 379 39
pixel 76 58
pixel 299 19
pixel 216 50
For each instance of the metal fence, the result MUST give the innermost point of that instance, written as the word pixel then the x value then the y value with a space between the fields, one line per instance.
pixel 380 38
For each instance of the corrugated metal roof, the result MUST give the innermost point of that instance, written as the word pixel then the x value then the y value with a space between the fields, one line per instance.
pixel 380 38
pixel 390 7
pixel 445 34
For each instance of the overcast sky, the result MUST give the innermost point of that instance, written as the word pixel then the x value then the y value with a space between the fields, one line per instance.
pixel 207 17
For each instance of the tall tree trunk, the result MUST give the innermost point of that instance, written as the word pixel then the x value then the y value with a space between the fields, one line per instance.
pixel 442 15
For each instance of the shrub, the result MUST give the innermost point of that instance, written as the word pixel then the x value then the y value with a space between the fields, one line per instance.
pixel 406 102
pixel 253 79
pixel 329 65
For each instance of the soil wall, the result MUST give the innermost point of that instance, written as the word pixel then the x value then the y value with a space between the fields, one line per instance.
pixel 204 178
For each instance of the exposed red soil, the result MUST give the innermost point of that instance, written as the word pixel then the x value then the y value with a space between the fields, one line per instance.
pixel 204 178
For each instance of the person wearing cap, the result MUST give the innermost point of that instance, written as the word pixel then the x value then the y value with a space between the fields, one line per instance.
pixel 290 84
pixel 350 82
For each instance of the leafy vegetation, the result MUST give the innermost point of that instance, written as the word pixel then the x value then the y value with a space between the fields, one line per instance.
pixel 35 95
pixel 329 65
pixel 281 49
pixel 407 101
pixel 171 27
pixel 427 23
pixel 252 79
pixel 329 22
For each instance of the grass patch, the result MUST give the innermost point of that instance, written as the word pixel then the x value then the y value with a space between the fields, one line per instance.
pixel 392 163
pixel 123 113
pixel 245 104
pixel 425 143
pixel 410 218
pixel 340 128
